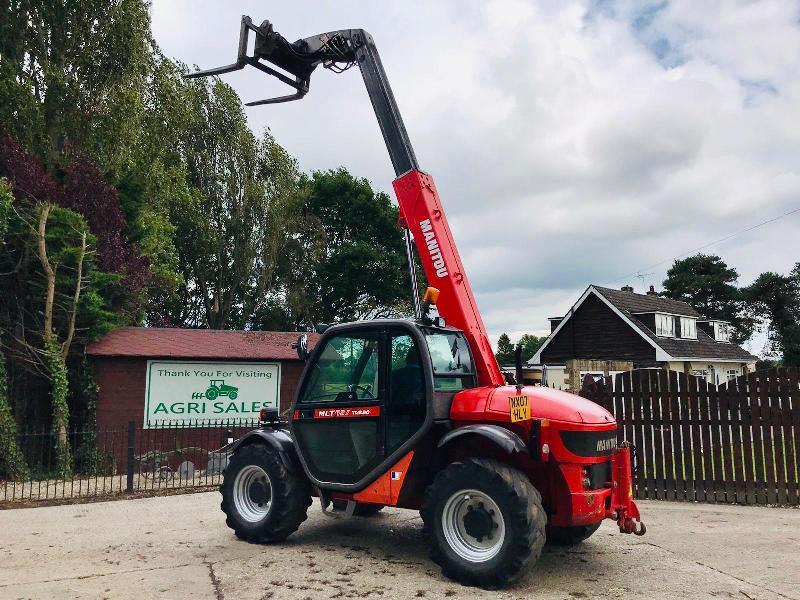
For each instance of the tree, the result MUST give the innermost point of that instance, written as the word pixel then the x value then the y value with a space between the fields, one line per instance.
pixel 530 345
pixel 505 350
pixel 61 241
pixel 72 71
pixel 707 284
pixel 348 260
pixel 54 296
pixel 12 461
pixel 73 83
pixel 229 223
pixel 775 300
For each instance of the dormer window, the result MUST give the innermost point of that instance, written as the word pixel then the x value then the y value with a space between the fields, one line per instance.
pixel 665 325
pixel 688 328
pixel 722 331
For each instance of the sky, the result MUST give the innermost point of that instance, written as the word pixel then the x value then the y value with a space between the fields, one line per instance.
pixel 572 143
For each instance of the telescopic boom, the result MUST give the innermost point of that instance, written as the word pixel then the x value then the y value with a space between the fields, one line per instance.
pixel 421 213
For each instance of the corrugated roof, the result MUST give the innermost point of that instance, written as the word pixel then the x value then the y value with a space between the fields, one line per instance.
pixel 704 347
pixel 208 344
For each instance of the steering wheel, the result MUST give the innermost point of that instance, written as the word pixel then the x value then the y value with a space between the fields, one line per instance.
pixel 367 389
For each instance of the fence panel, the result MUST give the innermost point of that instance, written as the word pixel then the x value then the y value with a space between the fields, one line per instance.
pixel 676 433
pixel 666 433
pixel 741 434
pixel 736 442
pixel 791 404
pixel 109 462
pixel 727 484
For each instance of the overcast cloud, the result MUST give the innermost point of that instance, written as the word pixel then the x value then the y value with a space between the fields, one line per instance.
pixel 572 143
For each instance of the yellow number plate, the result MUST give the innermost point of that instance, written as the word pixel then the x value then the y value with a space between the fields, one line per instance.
pixel 520 408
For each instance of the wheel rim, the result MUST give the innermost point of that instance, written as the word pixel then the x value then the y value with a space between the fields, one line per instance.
pixel 473 525
pixel 252 493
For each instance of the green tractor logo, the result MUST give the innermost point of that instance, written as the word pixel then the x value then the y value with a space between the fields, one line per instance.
pixel 217 388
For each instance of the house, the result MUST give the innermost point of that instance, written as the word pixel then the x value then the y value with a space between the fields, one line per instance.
pixel 608 331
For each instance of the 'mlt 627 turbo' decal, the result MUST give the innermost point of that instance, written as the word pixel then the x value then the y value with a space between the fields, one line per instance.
pixel 347 413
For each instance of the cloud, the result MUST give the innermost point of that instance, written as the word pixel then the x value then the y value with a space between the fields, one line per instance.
pixel 572 143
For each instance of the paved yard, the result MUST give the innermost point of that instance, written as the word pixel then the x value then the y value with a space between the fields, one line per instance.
pixel 179 547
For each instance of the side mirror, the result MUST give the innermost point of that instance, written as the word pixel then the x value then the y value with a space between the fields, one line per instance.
pixel 301 345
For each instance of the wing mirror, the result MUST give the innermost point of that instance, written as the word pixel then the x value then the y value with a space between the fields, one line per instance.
pixel 301 345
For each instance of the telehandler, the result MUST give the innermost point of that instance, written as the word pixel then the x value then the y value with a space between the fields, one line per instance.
pixel 416 413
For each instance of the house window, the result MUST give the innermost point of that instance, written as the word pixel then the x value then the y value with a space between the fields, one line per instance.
pixel 721 331
pixel 688 328
pixel 665 325
pixel 732 374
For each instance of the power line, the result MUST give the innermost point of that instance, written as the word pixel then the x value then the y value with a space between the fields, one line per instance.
pixel 704 246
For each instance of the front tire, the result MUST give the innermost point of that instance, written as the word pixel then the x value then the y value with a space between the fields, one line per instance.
pixel 570 536
pixel 483 522
pixel 262 500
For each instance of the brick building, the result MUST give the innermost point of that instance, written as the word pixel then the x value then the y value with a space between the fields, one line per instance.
pixel 128 361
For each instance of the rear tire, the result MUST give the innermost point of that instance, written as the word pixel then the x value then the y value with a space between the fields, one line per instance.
pixel 262 500
pixel 570 536
pixel 483 522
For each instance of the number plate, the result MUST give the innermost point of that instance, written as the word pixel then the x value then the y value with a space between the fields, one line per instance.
pixel 520 408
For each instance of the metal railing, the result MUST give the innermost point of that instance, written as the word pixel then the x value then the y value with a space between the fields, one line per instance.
pixel 129 460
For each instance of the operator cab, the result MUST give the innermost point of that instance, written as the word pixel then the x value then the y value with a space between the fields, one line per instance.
pixel 371 391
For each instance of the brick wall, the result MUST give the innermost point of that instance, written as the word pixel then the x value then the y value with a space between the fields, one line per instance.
pixel 122 389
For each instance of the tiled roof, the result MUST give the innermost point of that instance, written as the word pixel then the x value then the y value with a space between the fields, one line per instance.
pixel 641 303
pixel 704 347
pixel 209 344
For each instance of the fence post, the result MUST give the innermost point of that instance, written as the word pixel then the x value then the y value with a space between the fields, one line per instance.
pixel 131 446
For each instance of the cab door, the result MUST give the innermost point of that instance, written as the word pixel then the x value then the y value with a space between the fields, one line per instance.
pixel 362 399
pixel 337 420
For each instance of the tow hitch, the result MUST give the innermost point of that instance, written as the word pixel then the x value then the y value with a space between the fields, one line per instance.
pixel 623 508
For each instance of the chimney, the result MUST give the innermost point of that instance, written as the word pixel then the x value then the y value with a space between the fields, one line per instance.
pixel 554 322
pixel 627 288
pixel 652 291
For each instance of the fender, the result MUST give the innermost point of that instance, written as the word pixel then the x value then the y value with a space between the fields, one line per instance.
pixel 279 439
pixel 507 440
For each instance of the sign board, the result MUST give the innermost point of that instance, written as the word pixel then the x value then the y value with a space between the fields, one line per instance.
pixel 208 393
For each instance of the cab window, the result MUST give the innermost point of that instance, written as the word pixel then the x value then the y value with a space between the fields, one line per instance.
pixel 451 361
pixel 347 370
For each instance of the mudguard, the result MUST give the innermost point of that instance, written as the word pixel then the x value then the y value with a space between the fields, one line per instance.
pixel 507 440
pixel 279 439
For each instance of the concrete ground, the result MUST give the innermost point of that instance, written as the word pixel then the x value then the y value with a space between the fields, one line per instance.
pixel 179 547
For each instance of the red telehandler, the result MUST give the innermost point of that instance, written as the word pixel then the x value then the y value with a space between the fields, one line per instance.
pixel 416 413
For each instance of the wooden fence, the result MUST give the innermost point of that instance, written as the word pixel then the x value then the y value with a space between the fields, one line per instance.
pixel 738 442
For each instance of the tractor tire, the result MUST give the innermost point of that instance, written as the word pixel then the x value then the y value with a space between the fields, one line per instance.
pixel 483 522
pixel 570 536
pixel 233 395
pixel 362 510
pixel 211 394
pixel 262 500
